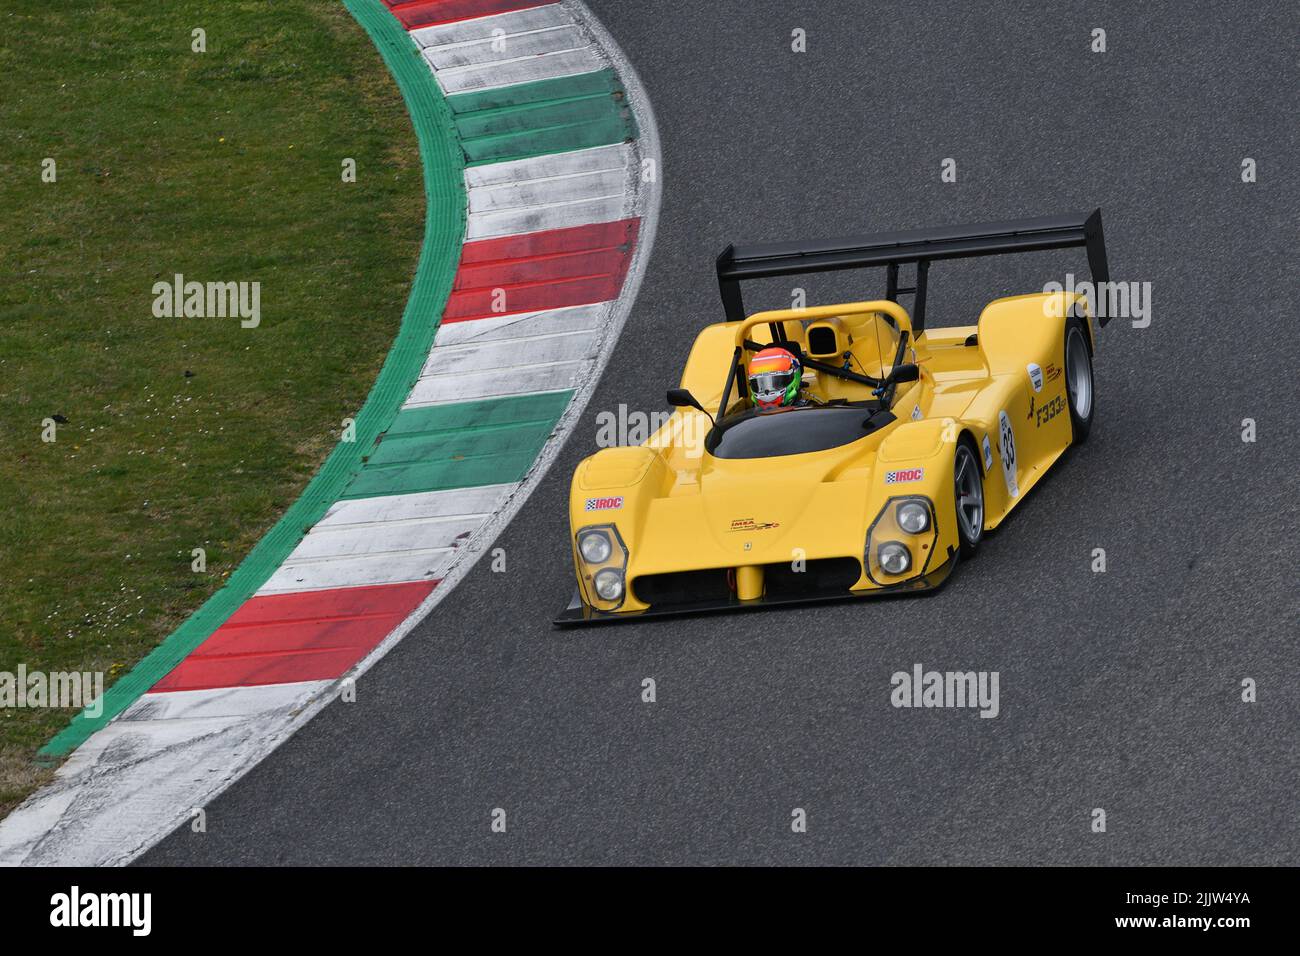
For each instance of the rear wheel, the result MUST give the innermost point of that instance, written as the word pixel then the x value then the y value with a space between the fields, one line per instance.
pixel 1078 378
pixel 968 498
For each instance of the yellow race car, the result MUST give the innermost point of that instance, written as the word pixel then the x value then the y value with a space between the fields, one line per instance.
pixel 839 451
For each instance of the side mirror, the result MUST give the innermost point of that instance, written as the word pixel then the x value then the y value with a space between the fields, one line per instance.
pixel 903 373
pixel 682 398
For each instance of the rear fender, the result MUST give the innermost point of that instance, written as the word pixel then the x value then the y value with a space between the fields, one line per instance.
pixel 1020 329
pixel 1024 410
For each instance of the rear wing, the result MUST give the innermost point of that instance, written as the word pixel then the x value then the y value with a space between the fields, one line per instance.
pixel 919 247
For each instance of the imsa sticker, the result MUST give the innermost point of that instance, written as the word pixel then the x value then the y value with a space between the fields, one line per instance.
pixel 604 504
pixel 906 474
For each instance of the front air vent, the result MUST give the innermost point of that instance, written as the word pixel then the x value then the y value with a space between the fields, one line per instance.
pixel 819 578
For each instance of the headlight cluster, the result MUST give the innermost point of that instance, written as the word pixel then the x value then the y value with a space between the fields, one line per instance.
pixel 901 540
pixel 894 557
pixel 602 566
pixel 609 585
pixel 913 516
pixel 594 547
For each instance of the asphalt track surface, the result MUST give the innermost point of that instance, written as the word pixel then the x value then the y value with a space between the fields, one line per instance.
pixel 1119 691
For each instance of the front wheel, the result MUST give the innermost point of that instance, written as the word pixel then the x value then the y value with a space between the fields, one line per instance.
pixel 968 498
pixel 1078 378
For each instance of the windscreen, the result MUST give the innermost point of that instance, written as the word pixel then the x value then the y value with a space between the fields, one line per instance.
pixel 793 431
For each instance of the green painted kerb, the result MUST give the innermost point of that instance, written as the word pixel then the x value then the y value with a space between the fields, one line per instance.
pixel 464 445
pixel 543 117
pixel 444 233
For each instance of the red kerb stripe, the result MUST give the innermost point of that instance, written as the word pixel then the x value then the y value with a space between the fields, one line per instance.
pixel 542 270
pixel 283 638
pixel 427 13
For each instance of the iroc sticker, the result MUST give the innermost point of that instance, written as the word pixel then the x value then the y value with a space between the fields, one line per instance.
pixel 906 474
pixel 604 504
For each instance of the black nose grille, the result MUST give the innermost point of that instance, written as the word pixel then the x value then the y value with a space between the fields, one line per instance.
pixel 824 576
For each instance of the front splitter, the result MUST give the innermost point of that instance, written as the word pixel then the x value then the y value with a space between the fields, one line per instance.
pixel 577 613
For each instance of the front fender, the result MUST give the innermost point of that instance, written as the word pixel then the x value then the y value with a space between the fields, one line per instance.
pixel 915 460
pixel 615 487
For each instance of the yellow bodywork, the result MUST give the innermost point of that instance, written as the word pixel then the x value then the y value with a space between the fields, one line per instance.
pixel 671 506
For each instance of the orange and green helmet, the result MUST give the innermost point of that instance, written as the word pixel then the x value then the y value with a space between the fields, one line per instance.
pixel 774 378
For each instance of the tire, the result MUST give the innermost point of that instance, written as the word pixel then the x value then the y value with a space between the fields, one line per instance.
pixel 968 497
pixel 1080 393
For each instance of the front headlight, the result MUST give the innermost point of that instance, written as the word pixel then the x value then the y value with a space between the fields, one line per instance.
pixel 609 585
pixel 894 557
pixel 601 566
pixel 901 542
pixel 913 517
pixel 594 547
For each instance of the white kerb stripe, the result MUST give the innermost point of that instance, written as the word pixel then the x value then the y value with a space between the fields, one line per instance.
pixel 575 187
pixel 548 66
pixel 451 388
pixel 403 568
pixel 128 783
pixel 339 554
pixel 481 357
pixel 560 191
pixel 492 51
pixel 391 537
pixel 522 325
pixel 420 504
pixel 490 225
pixel 617 156
pixel 484 28
pixel 223 701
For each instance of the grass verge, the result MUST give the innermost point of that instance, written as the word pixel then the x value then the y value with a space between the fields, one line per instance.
pixel 190 433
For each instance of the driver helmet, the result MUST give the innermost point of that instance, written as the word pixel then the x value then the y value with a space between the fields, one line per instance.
pixel 774 378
